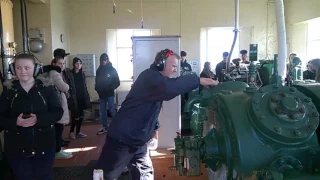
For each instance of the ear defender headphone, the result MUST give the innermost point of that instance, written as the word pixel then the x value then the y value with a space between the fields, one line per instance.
pixel 161 63
pixel 37 67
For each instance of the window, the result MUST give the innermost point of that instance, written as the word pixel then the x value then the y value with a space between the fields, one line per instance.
pixel 216 41
pixel 313 39
pixel 119 45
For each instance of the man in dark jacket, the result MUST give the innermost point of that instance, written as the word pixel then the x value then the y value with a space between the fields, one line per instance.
pixel 107 80
pixel 136 120
pixel 222 66
pixel 184 65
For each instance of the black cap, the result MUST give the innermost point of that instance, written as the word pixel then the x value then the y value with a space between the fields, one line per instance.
pixel 104 57
pixel 60 53
pixel 225 54
pixel 183 53
pixel 243 51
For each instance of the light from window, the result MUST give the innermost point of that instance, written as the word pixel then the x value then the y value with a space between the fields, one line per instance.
pixel 124 38
pixel 219 40
pixel 313 29
pixel 142 33
pixel 313 43
pixel 125 66
pixel 313 50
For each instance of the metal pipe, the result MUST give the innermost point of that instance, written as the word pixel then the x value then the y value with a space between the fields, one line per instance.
pixel 4 65
pixel 281 33
pixel 236 30
pixel 26 21
pixel 24 40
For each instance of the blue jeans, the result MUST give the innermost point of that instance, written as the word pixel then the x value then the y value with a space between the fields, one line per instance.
pixel 103 110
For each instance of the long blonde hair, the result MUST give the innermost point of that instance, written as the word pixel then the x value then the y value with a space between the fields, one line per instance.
pixel 315 66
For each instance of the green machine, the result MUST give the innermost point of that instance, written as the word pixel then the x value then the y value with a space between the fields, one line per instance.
pixel 271 130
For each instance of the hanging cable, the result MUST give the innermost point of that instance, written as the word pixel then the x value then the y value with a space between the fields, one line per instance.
pixel 114 6
pixel 141 6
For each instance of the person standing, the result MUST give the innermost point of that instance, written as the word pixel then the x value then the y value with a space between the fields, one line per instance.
pixel 80 97
pixel 57 53
pixel 184 65
pixel 53 72
pixel 135 123
pixel 244 57
pixel 222 67
pixel 29 108
pixel 107 81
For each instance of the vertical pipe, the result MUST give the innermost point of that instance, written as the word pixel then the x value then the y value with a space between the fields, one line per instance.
pixel 26 21
pixel 275 64
pixel 281 34
pixel 236 30
pixel 237 4
pixel 4 65
pixel 24 40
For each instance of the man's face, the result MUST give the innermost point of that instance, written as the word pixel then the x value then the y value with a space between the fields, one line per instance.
pixel 103 63
pixel 225 58
pixel 183 58
pixel 61 63
pixel 244 57
pixel 171 66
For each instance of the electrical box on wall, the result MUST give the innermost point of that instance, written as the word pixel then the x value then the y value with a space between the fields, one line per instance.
pixel 195 66
pixel 88 63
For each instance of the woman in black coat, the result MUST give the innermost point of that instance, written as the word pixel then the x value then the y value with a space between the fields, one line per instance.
pixel 79 98
pixel 29 108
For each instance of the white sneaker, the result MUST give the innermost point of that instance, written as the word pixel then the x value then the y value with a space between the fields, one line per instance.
pixel 72 136
pixel 64 152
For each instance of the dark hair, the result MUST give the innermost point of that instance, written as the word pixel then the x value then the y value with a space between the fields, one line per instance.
pixel 207 70
pixel 161 55
pixel 243 52
pixel 25 56
pixel 56 59
pixel 225 54
pixel 183 53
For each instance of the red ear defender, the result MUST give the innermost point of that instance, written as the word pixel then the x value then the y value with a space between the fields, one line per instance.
pixel 169 53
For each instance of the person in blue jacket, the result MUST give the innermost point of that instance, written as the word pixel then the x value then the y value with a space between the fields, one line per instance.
pixel 134 124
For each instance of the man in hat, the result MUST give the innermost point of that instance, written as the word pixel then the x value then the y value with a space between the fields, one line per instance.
pixel 60 53
pixel 66 74
pixel 107 81
pixel 244 57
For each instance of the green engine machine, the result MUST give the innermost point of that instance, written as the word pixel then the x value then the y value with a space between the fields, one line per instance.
pixel 270 130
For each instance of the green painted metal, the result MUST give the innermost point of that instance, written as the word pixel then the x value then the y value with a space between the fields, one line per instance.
pixel 272 128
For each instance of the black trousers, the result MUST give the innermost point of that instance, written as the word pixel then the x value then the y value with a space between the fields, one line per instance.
pixel 76 123
pixel 38 167
pixel 59 130
pixel 115 156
